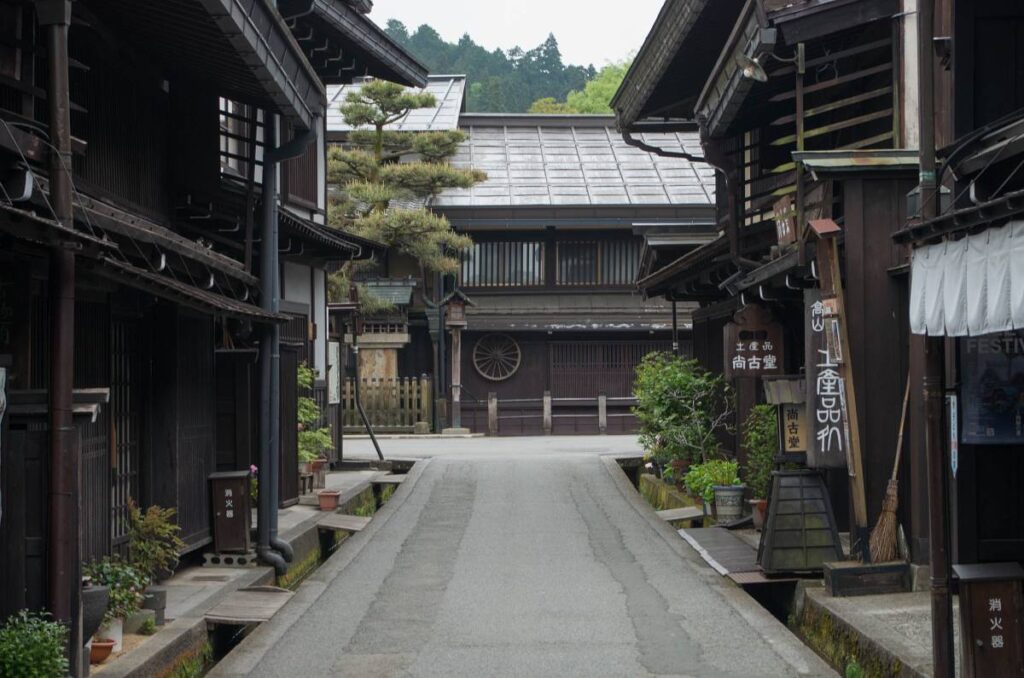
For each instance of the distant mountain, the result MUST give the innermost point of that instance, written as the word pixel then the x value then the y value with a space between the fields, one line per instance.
pixel 499 82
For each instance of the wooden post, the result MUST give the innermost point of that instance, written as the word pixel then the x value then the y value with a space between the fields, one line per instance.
pixel 547 413
pixel 602 413
pixel 492 413
pixel 456 377
pixel 426 394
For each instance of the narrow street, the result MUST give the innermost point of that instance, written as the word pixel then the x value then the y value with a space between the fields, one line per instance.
pixel 529 557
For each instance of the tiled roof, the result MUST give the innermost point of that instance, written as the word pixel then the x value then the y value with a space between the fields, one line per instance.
pixel 574 160
pixel 448 90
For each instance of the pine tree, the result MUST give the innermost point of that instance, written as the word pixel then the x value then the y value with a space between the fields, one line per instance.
pixel 372 184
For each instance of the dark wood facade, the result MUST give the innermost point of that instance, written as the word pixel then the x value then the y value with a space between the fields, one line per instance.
pixel 167 132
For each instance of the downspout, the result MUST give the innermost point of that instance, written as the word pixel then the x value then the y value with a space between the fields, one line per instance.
pixel 64 574
pixel 934 368
pixel 270 548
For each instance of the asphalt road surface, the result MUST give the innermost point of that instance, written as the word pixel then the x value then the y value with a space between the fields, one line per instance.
pixel 521 557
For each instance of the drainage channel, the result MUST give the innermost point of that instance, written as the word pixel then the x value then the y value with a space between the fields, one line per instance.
pixel 779 596
pixel 313 548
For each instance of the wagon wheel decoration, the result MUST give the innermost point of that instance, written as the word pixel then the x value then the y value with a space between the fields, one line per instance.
pixel 496 356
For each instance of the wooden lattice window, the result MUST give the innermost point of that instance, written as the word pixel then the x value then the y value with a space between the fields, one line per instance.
pixel 503 264
pixel 597 262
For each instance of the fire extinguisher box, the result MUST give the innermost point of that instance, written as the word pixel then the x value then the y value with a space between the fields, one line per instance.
pixel 990 619
pixel 232 513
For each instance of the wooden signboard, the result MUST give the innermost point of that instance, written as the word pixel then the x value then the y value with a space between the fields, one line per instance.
pixel 828 446
pixel 794 428
pixel 753 344
pixel 784 215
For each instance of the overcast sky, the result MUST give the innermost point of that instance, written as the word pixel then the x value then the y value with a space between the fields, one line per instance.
pixel 588 31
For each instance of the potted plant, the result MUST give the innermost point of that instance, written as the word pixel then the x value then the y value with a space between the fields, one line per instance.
pixel 681 409
pixel 727 489
pixel 153 541
pixel 95 599
pixel 328 499
pixel 31 644
pixel 126 586
pixel 760 438
pixel 698 485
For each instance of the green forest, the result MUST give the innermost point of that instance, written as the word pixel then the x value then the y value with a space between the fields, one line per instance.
pixel 516 81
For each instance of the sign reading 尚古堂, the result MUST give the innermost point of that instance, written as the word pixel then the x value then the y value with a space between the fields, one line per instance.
pixel 828 442
pixel 794 427
pixel 753 344
pixel 992 391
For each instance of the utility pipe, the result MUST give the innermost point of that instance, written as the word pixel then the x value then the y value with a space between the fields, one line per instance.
pixel 270 548
pixel 64 572
pixel 934 367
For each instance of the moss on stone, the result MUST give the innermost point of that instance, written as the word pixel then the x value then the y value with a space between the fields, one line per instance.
pixel 661 495
pixel 843 648
pixel 298 571
pixel 191 664
pixel 386 492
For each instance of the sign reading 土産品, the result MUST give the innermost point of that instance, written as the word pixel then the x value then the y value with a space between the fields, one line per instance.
pixel 827 446
pixel 753 344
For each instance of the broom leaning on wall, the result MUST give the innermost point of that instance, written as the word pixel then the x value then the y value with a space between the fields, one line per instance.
pixel 883 540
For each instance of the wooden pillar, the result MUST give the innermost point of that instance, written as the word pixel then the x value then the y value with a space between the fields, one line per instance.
pixel 456 377
pixel 492 413
pixel 547 413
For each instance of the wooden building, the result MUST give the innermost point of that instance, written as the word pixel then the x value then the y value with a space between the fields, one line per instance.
pixel 558 228
pixel 133 142
pixel 801 107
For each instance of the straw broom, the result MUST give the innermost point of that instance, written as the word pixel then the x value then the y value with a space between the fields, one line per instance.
pixel 883 537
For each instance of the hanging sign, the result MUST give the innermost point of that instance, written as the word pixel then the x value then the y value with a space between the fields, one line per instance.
pixel 828 443
pixel 784 215
pixel 794 427
pixel 333 373
pixel 753 344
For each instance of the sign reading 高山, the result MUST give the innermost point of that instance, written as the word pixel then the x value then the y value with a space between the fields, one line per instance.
pixel 826 401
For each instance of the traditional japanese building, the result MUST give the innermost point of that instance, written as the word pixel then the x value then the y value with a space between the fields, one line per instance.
pixel 135 210
pixel 802 110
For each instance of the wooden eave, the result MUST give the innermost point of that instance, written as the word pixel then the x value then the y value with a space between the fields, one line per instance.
pixel 240 49
pixel 343 43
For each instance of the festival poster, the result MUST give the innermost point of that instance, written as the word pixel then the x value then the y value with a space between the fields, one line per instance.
pixel 992 391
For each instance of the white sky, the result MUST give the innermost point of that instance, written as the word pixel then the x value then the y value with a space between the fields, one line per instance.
pixel 594 31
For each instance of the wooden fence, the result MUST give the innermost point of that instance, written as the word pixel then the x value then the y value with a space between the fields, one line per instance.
pixel 392 405
pixel 550 416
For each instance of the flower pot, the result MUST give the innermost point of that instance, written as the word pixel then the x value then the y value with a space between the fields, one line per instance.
pixel 759 510
pixel 95 599
pixel 114 631
pixel 305 468
pixel 100 649
pixel 328 499
pixel 729 502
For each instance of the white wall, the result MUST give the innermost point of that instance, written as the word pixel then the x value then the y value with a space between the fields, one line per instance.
pixel 320 318
pixel 295 283
pixel 909 114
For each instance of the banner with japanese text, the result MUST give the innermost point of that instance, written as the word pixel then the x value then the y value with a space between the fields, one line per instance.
pixel 826 407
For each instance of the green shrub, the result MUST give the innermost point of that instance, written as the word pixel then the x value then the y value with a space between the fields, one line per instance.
pixel 761 440
pixel 681 408
pixel 701 478
pixel 148 627
pixel 313 442
pixel 153 541
pixel 126 585
pixel 32 646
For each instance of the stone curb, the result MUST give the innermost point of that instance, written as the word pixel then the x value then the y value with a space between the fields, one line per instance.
pixel 803 660
pixel 242 659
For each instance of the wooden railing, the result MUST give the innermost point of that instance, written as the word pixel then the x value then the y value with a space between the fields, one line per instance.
pixel 550 416
pixel 402 405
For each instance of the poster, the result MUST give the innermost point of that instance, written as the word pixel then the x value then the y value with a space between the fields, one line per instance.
pixel 992 391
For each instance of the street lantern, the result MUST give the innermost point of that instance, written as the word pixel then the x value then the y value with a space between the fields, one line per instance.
pixel 455 310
